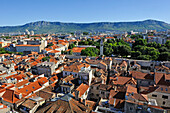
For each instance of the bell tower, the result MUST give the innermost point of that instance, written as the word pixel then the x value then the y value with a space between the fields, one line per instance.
pixel 101 47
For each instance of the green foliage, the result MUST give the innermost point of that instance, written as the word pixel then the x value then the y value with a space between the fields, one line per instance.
pixel 75 43
pixel 90 51
pixel 144 57
pixel 124 50
pixel 136 36
pixel 45 58
pixel 140 41
pixel 116 47
pixel 72 33
pixel 63 52
pixel 70 52
pixel 135 54
pixel 49 45
pixel 167 44
pixel 5 37
pixel 164 56
pixel 3 51
pixel 111 41
pixel 108 50
pixel 20 53
pixel 90 42
pixel 71 46
pixel 154 44
pixel 151 50
pixel 163 49
pixel 85 33
pixel 140 49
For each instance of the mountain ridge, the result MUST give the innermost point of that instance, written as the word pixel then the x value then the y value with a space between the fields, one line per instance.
pixel 54 27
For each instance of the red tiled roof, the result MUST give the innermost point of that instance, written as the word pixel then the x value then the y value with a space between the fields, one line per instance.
pixel 9 96
pixel 42 80
pixel 82 89
pixel 29 88
pixel 22 83
pixel 78 49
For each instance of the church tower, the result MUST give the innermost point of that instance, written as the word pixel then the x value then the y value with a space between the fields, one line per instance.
pixel 101 47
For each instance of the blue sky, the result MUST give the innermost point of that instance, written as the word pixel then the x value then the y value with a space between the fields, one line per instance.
pixel 18 12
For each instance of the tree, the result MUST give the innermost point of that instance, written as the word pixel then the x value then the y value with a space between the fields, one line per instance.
pixel 136 36
pixel 45 58
pixel 167 44
pixel 49 45
pixel 72 33
pixel 137 48
pixel 20 53
pixel 111 41
pixel 71 46
pixel 124 50
pixel 164 56
pixel 108 50
pixel 75 43
pixel 163 49
pixel 135 54
pixel 154 54
pixel 153 44
pixel 144 57
pixel 90 51
pixel 70 52
pixel 85 33
pixel 139 41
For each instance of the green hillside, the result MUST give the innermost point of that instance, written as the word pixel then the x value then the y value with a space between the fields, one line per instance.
pixel 56 27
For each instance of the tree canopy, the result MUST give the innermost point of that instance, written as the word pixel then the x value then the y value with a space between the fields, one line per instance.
pixel 71 46
pixel 90 51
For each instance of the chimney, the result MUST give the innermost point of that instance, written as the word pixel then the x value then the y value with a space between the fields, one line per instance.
pixel 20 95
pixel 77 95
pixel 103 81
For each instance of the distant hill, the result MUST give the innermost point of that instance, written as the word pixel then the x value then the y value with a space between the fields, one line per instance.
pixel 56 27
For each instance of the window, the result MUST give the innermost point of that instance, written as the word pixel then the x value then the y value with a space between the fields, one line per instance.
pixel 108 95
pixel 102 93
pixel 164 96
pixel 161 89
pixel 91 87
pixel 166 89
pixel 97 95
pixel 154 95
pixel 65 73
pixel 70 73
pixel 130 108
pixel 33 87
pixel 26 90
pixel 163 103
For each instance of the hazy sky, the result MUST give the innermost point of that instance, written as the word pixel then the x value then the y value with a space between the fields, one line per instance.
pixel 18 12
